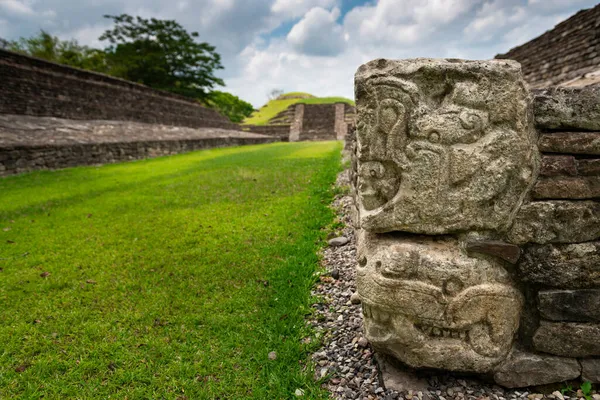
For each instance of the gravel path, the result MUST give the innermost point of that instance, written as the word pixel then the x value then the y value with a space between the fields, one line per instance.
pixel 346 357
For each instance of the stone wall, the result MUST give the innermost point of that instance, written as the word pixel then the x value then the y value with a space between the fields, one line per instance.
pixel 280 131
pixel 562 54
pixel 17 159
pixel 321 121
pixel 31 86
pixel 478 217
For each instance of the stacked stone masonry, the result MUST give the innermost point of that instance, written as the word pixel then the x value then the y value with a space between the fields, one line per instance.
pixel 309 122
pixel 17 159
pixel 29 143
pixel 563 54
pixel 478 217
pixel 30 86
pixel 280 131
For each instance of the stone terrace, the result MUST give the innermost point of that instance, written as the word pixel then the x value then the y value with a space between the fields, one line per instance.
pixel 28 143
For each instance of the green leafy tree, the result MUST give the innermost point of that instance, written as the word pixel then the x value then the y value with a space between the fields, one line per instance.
pixel 162 55
pixel 69 52
pixel 229 105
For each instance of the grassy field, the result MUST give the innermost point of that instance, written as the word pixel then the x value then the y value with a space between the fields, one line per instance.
pixel 170 278
pixel 274 107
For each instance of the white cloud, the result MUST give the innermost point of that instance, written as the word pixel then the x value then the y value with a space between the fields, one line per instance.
pixel 318 33
pixel 16 7
pixel 258 56
pixel 554 4
pixel 405 22
pixel 297 8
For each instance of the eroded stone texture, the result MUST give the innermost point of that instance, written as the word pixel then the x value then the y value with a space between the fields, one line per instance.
pixel 430 305
pixel 506 251
pixel 443 145
pixel 556 222
pixel 566 266
pixel 570 305
pixel 590 370
pixel 569 339
pixel 568 187
pixel 527 369
pixel 568 108
pixel 588 167
pixel 570 142
pixel 558 165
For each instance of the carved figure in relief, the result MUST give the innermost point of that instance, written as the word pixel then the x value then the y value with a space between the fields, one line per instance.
pixel 430 305
pixel 442 145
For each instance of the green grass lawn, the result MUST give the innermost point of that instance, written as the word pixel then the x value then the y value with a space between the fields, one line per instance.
pixel 169 278
pixel 274 107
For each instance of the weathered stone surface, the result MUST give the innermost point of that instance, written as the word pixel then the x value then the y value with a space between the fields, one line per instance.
pixel 397 378
pixel 527 369
pixel 588 166
pixel 556 222
pixel 570 305
pixel 506 251
pixel 568 108
pixel 339 241
pixel 442 145
pixel 570 266
pixel 590 369
pixel 570 142
pixel 430 305
pixel 558 165
pixel 569 339
pixel 32 86
pixel 582 187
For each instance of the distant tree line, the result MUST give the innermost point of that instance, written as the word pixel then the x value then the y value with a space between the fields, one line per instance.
pixel 157 53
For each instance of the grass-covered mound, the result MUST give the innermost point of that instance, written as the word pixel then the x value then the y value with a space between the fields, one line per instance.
pixel 170 278
pixel 274 107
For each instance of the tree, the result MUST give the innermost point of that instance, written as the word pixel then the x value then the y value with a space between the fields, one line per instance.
pixel 229 105
pixel 68 52
pixel 161 54
pixel 275 93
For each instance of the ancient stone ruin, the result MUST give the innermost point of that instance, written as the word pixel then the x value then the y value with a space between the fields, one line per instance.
pixel 478 220
pixel 55 116
pixel 302 122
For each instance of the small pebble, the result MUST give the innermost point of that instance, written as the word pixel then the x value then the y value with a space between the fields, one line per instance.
pixel 558 395
pixel 272 356
pixel 339 241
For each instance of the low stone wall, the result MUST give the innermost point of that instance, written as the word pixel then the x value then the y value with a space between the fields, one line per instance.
pixel 17 159
pixel 31 86
pixel 280 131
pixel 478 226
pixel 320 121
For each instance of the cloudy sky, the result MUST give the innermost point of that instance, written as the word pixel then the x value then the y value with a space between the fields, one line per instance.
pixel 308 45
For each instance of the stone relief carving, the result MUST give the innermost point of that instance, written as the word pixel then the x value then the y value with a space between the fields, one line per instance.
pixel 442 145
pixel 430 305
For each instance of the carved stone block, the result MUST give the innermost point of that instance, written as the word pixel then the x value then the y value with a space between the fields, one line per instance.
pixel 556 222
pixel 430 305
pixel 590 370
pixel 442 145
pixel 570 305
pixel 567 187
pixel 570 142
pixel 558 165
pixel 565 266
pixel 568 339
pixel 527 369
pixel 568 108
pixel 589 167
